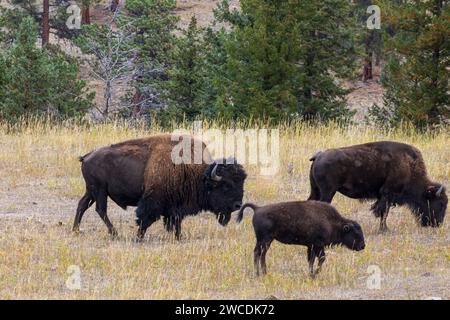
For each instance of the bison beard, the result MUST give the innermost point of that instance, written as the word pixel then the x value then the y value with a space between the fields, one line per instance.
pixel 392 173
pixel 141 173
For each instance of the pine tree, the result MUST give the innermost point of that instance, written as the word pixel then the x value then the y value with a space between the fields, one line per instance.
pixel 285 58
pixel 416 76
pixel 37 81
pixel 152 24
pixel 52 20
pixel 186 73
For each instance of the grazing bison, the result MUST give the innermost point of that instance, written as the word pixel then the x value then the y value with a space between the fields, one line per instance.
pixel 141 173
pixel 313 224
pixel 391 172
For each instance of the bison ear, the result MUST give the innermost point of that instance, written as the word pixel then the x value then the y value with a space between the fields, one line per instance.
pixel 433 192
pixel 346 228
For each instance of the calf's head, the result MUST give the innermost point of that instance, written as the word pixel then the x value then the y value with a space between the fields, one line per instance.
pixel 352 236
pixel 225 188
pixel 434 205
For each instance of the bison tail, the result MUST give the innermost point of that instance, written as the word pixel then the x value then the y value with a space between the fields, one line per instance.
pixel 81 158
pixel 314 157
pixel 241 211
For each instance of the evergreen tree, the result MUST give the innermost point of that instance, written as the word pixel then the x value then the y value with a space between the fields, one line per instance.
pixel 152 24
pixel 36 81
pixel 285 58
pixel 186 73
pixel 11 16
pixel 416 76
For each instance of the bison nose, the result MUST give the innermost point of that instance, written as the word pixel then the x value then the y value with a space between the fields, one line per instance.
pixel 362 246
pixel 237 205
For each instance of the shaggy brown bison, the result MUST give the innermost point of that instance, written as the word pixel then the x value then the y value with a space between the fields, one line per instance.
pixel 391 172
pixel 313 224
pixel 141 173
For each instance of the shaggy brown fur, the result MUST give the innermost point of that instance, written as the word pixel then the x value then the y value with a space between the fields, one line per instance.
pixel 313 224
pixel 141 173
pixel 391 172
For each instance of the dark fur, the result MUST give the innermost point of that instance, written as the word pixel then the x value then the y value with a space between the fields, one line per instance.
pixel 141 173
pixel 392 173
pixel 313 224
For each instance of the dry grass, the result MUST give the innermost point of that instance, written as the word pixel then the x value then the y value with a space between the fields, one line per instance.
pixel 41 183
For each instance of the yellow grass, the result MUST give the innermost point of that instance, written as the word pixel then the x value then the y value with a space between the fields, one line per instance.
pixel 41 183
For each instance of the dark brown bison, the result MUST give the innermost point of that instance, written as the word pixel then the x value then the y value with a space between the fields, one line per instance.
pixel 313 224
pixel 141 173
pixel 392 173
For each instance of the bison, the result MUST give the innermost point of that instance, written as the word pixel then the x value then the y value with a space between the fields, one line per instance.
pixel 393 173
pixel 141 173
pixel 313 224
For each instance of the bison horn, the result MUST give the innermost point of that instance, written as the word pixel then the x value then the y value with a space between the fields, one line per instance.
pixel 214 176
pixel 438 193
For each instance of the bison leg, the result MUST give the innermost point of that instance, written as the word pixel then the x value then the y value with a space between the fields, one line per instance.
pixel 257 257
pixel 383 225
pixel 327 191
pixel 265 247
pixel 85 202
pixel 311 255
pixel 320 254
pixel 381 209
pixel 168 224
pixel 327 194
pixel 173 223
pixel 101 203
pixel 178 228
pixel 315 191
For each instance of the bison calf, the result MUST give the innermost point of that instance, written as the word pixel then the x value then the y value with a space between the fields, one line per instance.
pixel 313 224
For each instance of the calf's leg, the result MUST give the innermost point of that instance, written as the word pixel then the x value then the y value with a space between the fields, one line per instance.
pixel 256 257
pixel 85 202
pixel 311 257
pixel 320 254
pixel 265 247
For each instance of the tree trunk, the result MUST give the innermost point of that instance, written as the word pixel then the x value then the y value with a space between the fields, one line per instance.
pixel 137 100
pixel 45 23
pixel 107 99
pixel 367 72
pixel 85 15
pixel 114 5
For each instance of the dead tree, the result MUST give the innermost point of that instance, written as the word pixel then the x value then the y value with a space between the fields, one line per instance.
pixel 110 57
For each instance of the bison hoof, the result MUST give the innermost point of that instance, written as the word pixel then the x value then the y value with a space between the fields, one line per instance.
pixel 114 234
pixel 77 231
pixel 378 209
pixel 383 230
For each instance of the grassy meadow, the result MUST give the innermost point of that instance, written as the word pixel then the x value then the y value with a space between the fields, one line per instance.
pixel 41 183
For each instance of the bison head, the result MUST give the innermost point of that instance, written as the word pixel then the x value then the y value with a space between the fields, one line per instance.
pixel 433 212
pixel 224 184
pixel 352 236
